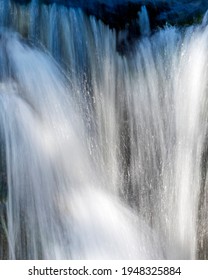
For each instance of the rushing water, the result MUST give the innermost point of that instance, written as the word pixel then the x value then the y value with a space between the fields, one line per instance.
pixel 104 155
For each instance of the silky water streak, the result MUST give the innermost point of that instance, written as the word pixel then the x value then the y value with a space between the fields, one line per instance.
pixel 106 154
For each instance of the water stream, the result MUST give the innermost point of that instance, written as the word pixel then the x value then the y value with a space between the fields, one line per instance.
pixel 104 155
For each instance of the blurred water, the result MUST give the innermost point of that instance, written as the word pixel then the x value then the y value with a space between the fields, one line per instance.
pixel 106 154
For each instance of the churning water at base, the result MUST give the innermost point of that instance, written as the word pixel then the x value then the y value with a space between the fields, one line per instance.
pixel 105 155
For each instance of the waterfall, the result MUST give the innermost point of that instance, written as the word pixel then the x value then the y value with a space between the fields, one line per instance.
pixel 144 23
pixel 103 154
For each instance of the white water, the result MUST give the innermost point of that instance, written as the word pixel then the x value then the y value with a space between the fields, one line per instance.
pixel 103 152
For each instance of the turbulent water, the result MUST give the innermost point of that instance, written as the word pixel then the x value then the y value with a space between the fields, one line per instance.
pixel 104 155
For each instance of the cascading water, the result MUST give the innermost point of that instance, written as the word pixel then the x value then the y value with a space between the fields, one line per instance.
pixel 104 155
